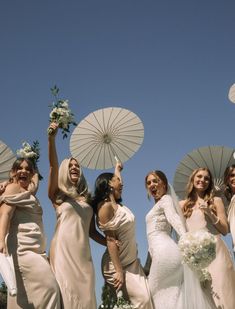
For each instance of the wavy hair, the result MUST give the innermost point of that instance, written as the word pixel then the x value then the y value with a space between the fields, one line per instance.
pixel 191 196
pixel 228 191
pixel 67 188
pixel 16 165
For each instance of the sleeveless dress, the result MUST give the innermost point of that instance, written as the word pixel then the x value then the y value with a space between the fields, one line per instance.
pixel 70 255
pixel 222 268
pixel 136 286
pixel 166 271
pixel 231 220
pixel 36 284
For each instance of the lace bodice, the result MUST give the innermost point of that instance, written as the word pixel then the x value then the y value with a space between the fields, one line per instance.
pixel 163 216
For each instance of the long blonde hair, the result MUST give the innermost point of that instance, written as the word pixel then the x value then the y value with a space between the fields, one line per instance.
pixel 66 187
pixel 191 196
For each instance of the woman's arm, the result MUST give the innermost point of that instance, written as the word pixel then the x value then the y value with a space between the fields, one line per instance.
pixel 53 162
pixel 112 246
pixel 118 169
pixel 6 212
pixel 33 186
pixel 95 235
pixel 172 216
pixel 106 213
pixel 219 220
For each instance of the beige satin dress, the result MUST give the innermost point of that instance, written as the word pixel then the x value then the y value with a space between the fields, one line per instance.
pixel 36 283
pixel 136 287
pixel 222 268
pixel 231 220
pixel 70 255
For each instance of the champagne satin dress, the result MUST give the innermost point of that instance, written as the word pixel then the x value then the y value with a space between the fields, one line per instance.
pixel 36 284
pixel 136 285
pixel 222 268
pixel 70 255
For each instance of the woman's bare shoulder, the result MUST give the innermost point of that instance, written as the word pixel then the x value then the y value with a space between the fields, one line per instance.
pixel 105 211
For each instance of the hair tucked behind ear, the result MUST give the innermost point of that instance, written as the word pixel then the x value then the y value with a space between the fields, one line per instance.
pixel 102 189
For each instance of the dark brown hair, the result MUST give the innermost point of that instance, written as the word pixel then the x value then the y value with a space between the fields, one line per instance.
pixel 227 191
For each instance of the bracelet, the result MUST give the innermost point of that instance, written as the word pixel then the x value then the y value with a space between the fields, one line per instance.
pixel 217 221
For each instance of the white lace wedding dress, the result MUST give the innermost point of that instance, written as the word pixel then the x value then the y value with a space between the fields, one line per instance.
pixel 172 285
pixel 166 272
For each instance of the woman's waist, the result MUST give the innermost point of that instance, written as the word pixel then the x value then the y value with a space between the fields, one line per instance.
pixel 126 256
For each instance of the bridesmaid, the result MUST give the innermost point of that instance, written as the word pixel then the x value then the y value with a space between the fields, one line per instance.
pixel 21 217
pixel 229 181
pixel 120 264
pixel 204 211
pixel 70 253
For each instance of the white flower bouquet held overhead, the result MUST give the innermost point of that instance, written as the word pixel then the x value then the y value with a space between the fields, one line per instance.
pixel 198 251
pixel 60 113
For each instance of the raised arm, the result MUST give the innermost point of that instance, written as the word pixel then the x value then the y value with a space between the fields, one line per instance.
pixel 118 169
pixel 53 162
pixel 172 216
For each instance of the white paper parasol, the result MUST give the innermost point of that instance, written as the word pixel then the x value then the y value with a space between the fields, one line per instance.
pixel 231 93
pixel 7 157
pixel 216 158
pixel 104 134
pixel 8 273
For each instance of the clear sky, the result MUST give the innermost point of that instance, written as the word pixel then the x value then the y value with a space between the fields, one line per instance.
pixel 170 62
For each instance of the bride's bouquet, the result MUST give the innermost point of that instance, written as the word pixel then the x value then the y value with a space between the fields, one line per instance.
pixel 60 113
pixel 198 250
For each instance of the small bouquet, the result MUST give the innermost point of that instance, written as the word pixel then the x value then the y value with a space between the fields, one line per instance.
pixel 121 302
pixel 198 250
pixel 61 114
pixel 30 152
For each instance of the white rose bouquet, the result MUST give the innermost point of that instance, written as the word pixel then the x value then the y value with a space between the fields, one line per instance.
pixel 61 114
pixel 198 250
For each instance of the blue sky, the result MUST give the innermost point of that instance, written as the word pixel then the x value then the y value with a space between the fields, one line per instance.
pixel 170 62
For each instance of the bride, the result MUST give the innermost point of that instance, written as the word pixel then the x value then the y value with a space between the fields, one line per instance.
pixel 169 280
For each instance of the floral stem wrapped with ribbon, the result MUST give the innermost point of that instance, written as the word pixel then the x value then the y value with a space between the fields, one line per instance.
pixel 61 114
pixel 198 250
pixel 30 152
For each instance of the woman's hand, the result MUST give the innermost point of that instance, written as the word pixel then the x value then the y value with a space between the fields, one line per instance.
pixel 118 279
pixel 3 248
pixel 53 128
pixel 3 186
pixel 206 209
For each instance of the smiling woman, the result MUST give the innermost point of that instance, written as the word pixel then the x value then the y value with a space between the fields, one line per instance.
pixel 70 254
pixel 121 267
pixel 204 211
pixel 21 217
